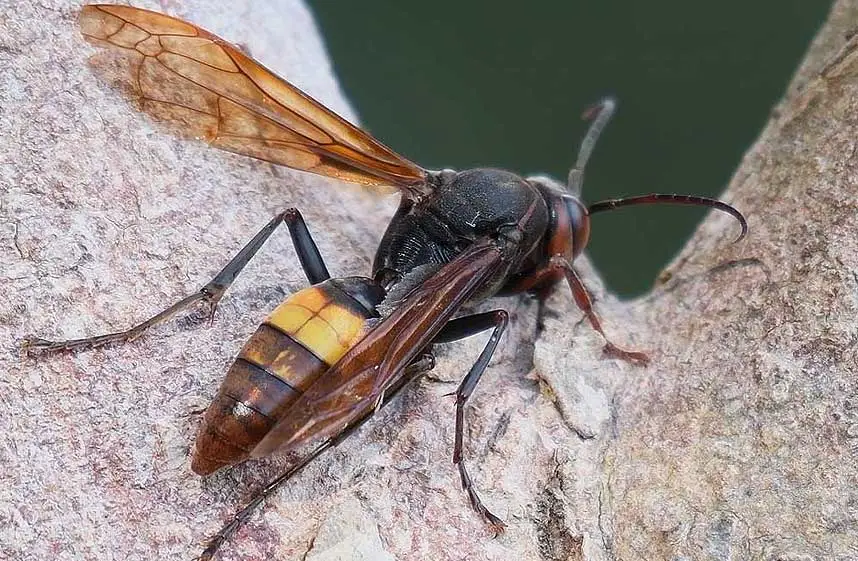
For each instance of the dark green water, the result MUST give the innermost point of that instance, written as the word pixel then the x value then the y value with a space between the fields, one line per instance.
pixel 463 84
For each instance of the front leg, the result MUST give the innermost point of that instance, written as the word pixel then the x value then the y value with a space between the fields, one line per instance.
pixel 542 282
pixel 585 304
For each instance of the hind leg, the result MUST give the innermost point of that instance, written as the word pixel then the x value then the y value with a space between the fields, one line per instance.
pixel 211 293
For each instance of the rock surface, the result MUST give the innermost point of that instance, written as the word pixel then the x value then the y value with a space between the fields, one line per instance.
pixel 738 442
pixel 742 441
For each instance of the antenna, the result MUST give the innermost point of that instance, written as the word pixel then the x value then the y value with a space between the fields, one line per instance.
pixel 600 114
pixel 659 198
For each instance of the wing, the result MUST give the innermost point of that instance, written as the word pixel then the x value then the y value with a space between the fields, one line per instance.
pixel 206 88
pixel 358 381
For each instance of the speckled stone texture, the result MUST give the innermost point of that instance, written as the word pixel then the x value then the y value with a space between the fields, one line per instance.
pixel 741 442
pixel 738 442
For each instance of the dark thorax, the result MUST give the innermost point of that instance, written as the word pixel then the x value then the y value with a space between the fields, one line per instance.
pixel 464 207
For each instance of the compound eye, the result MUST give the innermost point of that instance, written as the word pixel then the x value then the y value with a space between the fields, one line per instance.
pixel 579 222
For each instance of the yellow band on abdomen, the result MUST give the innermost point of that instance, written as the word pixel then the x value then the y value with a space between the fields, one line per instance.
pixel 314 318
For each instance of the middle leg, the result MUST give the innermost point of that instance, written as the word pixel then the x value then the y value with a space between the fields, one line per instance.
pixel 459 329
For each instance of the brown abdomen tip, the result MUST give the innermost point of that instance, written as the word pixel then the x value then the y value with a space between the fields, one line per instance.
pixel 229 431
pixel 202 465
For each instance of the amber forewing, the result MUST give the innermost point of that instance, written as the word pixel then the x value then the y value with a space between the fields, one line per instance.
pixel 206 88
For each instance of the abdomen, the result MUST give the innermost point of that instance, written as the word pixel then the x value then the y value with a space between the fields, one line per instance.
pixel 296 344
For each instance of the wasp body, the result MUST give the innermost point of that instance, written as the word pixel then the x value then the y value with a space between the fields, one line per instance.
pixel 330 355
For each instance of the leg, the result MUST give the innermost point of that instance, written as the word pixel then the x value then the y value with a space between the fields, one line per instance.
pixel 582 298
pixel 420 366
pixel 542 309
pixel 457 329
pixel 541 284
pixel 211 293
pixel 308 254
pixel 463 327
pixel 214 543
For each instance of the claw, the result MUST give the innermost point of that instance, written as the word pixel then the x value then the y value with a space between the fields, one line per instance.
pixel 497 526
pixel 211 298
pixel 635 357
pixel 32 346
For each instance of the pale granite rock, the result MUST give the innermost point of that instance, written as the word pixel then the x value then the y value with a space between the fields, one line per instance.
pixel 738 442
